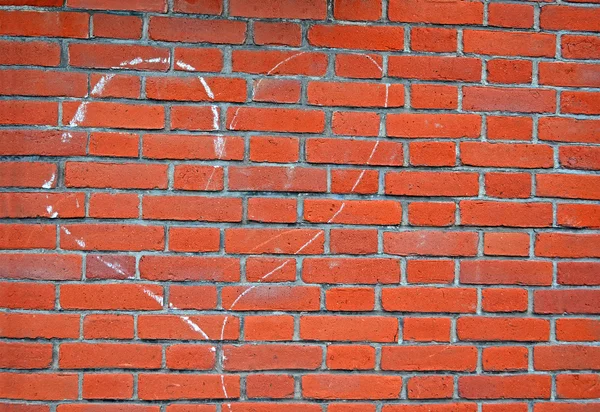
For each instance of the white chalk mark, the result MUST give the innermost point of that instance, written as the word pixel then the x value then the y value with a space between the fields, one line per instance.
pixel 337 213
pixel 215 113
pixel 99 87
pixel 66 136
pixel 114 266
pixel 362 173
pixel 48 184
pixel 159 299
pixel 387 91
pixel 185 66
pixel 80 242
pixel 51 212
pixel 210 177
pixel 207 88
pixel 374 62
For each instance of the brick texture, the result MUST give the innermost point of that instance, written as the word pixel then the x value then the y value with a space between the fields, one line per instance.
pixel 299 205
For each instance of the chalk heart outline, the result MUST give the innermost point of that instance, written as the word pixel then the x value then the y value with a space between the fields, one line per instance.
pixel 219 143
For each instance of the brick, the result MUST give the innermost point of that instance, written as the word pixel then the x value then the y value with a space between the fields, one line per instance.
pixel 566 301
pixel 580 103
pixel 282 210
pixel 573 357
pixel 171 146
pixel 271 298
pixel 277 179
pixel 578 386
pixel 569 18
pixel 568 74
pixel 355 123
pixel 39 386
pixel 505 272
pixel 429 271
pixel 433 39
pixel 435 68
pixel 193 297
pixel 178 268
pixel 136 5
pixel 275 149
pixel 430 387
pixel 188 30
pixel 356 152
pixel 428 300
pixel 115 56
pixel 17 355
pixel 186 89
pixel 433 407
pixel 357 10
pixel 192 327
pixel 351 386
pixel 25 295
pixel 516 214
pixel 509 99
pixel 273 241
pixel 429 11
pixel 358 66
pixel 509 71
pixel 578 215
pixel 226 209
pixel 580 47
pixel 111 175
pixel 30 204
pixel 353 241
pixel 44 266
pixel 509 127
pixel 18 236
pixel 172 386
pixel 567 245
pixel 505 358
pixel 428 358
pixel 205 7
pixel 290 9
pixel 105 25
pixel 577 273
pixel 570 186
pixel 500 387
pixel 106 205
pixel 35 326
pixel 350 299
pixel 577 330
pixel 117 115
pixel 506 244
pixel 28 112
pixel 198 59
pixel 503 329
pixel 44 24
pixel 111 237
pixel 433 96
pixel 426 329
pixel 508 185
pixel 417 125
pixel 354 181
pixel 193 239
pixel 501 43
pixel 195 118
pixel 569 130
pixel 31 53
pixel 349 328
pixel 276 33
pixel 432 153
pixel 271 357
pixel 198 178
pixel 351 270
pixel 416 183
pixel 434 243
pixel 107 386
pixel 108 327
pixel 279 63
pixel 382 212
pixel 110 297
pixel 275 120
pixel 190 357
pixel 28 82
pixel 510 15
pixel 109 267
pixel 355 94
pixel 372 37
pixel 276 91
pixel 268 328
pixel 270 386
pixel 41 142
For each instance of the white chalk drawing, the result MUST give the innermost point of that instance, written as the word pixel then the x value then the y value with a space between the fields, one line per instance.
pixel 219 144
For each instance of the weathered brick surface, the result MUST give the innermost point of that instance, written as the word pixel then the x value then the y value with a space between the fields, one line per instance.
pixel 299 205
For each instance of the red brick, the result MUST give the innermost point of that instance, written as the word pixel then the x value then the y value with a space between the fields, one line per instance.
pixel 515 214
pixel 360 152
pixel 435 68
pixel 26 295
pixel 194 7
pixel 262 209
pixel 578 273
pixel 192 327
pixel 350 357
pixel 41 142
pixel 178 268
pixel 171 386
pixel 224 209
pixel 268 328
pixel 426 329
pixel 277 33
pixel 429 300
pixel 355 123
pixel 349 328
pixel 31 53
pixel 193 297
pixel 416 183
pixel 107 205
pixel 107 386
pixel 271 298
pixel 351 386
pixel 433 96
pixel 115 56
pixel 428 358
pixel 505 358
pixel 508 185
pixel 271 357
pixel 176 29
pixel 434 243
pixel 430 387
pixel 359 66
pixel 581 386
pixel 354 181
pixel 270 386
pixel 44 24
pixel 417 125
pixel 567 301
pixel 374 212
pixel 187 89
pixel 19 236
pixel 277 179
pixel 16 355
pixel 353 241
pixel 191 357
pixel 40 266
pixel 350 299
pixel 198 178
pixel 573 357
pixel 28 112
pixel 509 128
pixel 372 37
pixel 171 146
pixel 111 237
pixel 357 94
pixel 569 18
pixel 135 5
pixel 432 153
pixel 351 270
pixel 114 144
pixel 509 71
pixel 430 11
pixel 275 120
pixel 286 9
pixel 580 102
pixel 567 245
pixel 39 386
pixel 580 47
pixel 578 330
pixel 194 239
pixel 503 329
pixel 506 272
pixel 275 149
pixel 195 118
pixel 275 62
pixel 108 327
pixel 501 387
pixel 569 74
pixel 35 326
pixel 198 59
pixel 578 215
pixel 28 82
pixel 569 130
pixel 117 115
pixel 510 15
pixel 429 271
pixel 505 43
pixel 276 91
pixel 506 244
pixel 110 296
pixel 570 186
pixel 433 39
pixel 109 267
pixel 509 99
pixel 274 241
pixel 117 26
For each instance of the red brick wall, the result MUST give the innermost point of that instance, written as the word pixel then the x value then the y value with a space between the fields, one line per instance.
pixel 299 205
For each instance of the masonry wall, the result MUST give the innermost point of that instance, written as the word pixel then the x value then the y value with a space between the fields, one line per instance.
pixel 299 205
